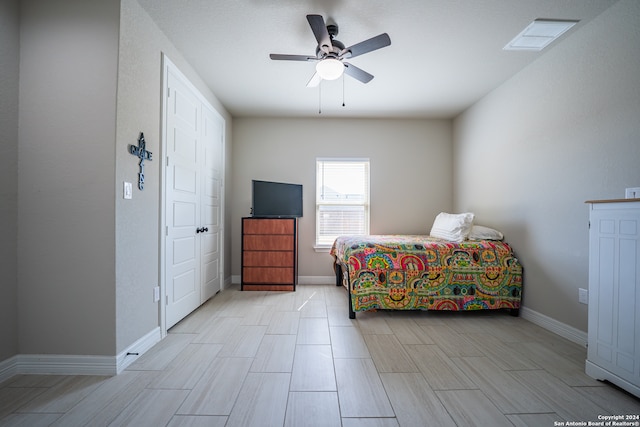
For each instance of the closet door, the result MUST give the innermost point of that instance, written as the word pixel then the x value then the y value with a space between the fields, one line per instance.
pixel 211 202
pixel 193 201
pixel 183 191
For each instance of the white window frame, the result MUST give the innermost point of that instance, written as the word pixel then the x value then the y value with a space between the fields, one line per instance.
pixel 323 245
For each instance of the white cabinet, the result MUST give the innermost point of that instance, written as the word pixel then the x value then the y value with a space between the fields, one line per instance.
pixel 614 293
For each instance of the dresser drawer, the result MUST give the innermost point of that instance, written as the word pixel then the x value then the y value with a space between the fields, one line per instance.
pixel 256 242
pixel 268 226
pixel 267 258
pixel 267 275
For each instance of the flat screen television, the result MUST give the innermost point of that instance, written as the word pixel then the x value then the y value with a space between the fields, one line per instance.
pixel 276 199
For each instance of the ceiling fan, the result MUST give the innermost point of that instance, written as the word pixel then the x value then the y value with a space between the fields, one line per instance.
pixel 331 53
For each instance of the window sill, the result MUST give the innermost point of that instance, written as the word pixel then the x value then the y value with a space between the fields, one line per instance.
pixel 322 248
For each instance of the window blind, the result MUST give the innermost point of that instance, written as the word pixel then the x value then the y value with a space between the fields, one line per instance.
pixel 342 199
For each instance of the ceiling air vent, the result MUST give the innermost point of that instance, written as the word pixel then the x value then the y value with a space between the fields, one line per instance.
pixel 539 34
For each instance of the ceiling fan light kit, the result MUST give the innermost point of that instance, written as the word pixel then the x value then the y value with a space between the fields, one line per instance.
pixel 330 69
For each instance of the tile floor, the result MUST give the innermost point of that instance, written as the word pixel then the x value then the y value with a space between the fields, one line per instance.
pixel 296 359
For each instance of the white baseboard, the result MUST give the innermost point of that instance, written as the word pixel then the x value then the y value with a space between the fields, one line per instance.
pixel 8 368
pixel 137 349
pixel 302 280
pixel 569 332
pixel 316 280
pixel 61 364
pixel 228 282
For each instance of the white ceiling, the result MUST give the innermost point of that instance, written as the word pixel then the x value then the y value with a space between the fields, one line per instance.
pixel 444 54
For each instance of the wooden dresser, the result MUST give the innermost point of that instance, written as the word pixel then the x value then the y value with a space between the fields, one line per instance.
pixel 269 254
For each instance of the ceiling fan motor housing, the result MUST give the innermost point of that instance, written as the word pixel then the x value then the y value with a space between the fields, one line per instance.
pixel 336 48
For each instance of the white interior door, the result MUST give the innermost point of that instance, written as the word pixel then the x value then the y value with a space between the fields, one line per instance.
pixel 194 141
pixel 182 247
pixel 211 202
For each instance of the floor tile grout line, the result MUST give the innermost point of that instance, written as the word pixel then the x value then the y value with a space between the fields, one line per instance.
pixel 366 326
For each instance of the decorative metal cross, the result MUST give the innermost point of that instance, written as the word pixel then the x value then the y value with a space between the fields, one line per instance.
pixel 143 155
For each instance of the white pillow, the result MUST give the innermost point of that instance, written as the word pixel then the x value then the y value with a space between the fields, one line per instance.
pixel 453 227
pixel 479 232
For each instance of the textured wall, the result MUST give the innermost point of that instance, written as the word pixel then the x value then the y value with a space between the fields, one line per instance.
pixel 138 220
pixel 410 161
pixel 562 131
pixel 66 239
pixel 9 66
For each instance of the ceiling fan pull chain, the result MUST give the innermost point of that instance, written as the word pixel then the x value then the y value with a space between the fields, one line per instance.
pixel 343 90
pixel 320 98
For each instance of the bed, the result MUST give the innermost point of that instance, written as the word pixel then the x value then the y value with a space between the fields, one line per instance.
pixel 403 272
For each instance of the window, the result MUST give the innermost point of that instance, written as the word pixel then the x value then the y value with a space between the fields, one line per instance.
pixel 342 199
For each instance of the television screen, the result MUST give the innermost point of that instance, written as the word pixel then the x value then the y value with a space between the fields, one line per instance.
pixel 276 199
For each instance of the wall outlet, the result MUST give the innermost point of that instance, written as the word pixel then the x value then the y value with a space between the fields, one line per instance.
pixel 583 296
pixel 632 193
pixel 156 294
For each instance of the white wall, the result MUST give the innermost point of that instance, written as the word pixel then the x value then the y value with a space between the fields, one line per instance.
pixel 87 260
pixel 137 220
pixel 9 80
pixel 66 245
pixel 564 130
pixel 411 164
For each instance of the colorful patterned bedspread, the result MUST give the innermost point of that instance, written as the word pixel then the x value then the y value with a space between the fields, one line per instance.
pixel 401 272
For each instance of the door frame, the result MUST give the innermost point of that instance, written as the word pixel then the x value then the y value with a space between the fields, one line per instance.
pixel 167 65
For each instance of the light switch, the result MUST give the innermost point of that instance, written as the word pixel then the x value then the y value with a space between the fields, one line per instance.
pixel 128 190
pixel 583 296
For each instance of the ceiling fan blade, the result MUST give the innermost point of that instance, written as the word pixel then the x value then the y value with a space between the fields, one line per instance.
pixel 357 73
pixel 369 45
pixel 319 29
pixel 315 80
pixel 280 57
